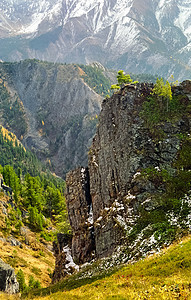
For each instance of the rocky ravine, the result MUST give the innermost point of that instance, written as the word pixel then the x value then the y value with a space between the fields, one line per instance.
pixel 123 201
pixel 59 110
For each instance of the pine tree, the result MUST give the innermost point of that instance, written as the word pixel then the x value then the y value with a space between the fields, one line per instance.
pixel 39 222
pixel 33 214
pixel 21 280
pixel 163 93
pixel 12 180
pixel 122 79
pixel 18 226
pixel 31 282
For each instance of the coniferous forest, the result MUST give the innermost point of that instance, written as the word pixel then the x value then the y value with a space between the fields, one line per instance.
pixel 35 189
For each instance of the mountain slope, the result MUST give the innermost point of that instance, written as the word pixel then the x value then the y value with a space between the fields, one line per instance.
pixel 141 36
pixel 54 108
pixel 162 276
pixel 32 211
pixel 25 17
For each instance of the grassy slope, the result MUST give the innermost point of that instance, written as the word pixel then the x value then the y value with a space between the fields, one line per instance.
pixel 162 276
pixel 34 259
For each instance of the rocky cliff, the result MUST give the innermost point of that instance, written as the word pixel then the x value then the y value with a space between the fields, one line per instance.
pixel 139 169
pixel 80 214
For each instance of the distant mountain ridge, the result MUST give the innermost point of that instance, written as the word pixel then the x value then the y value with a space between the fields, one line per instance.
pixel 139 36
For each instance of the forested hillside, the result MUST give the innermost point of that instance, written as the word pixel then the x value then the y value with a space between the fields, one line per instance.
pixel 14 154
pixel 42 199
pixel 32 183
pixel 33 215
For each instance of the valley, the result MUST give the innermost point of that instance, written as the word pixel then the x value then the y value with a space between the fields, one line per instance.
pixel 55 110
pixel 95 149
pixel 131 198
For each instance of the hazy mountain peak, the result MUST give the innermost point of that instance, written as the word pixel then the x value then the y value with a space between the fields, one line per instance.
pixel 139 36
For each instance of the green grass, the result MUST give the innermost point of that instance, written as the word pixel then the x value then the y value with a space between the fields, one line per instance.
pixel 162 276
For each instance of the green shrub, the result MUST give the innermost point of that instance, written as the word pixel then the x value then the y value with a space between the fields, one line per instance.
pixel 122 79
pixel 21 280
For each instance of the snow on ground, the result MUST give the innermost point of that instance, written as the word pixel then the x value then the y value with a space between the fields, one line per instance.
pixel 69 259
pixel 183 20
pixel 90 219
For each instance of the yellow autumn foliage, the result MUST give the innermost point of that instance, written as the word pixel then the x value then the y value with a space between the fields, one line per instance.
pixel 10 136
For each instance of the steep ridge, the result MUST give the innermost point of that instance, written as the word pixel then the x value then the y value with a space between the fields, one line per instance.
pixel 139 170
pixel 58 108
pixel 139 36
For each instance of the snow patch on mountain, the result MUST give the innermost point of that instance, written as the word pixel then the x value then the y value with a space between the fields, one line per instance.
pixel 44 12
pixel 187 48
pixel 145 32
pixel 24 17
pixel 183 20
pixel 100 13
pixel 124 36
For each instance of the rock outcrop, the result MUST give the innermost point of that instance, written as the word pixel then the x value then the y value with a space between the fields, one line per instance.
pixel 136 168
pixel 64 264
pixel 8 281
pixel 80 213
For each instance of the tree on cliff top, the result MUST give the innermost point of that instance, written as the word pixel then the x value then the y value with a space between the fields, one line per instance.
pixel 122 80
pixel 163 91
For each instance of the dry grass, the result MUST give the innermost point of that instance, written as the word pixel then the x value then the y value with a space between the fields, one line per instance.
pixel 81 72
pixel 34 259
pixel 25 259
pixel 9 297
pixel 162 276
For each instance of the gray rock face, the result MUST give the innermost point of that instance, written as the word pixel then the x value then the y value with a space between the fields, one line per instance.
pixel 115 156
pixel 79 206
pixel 122 147
pixel 13 241
pixel 8 281
pixel 64 264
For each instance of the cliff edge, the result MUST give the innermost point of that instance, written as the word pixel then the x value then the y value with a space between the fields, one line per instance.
pixel 139 175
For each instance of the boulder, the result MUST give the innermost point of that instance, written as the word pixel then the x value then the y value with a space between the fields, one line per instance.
pixel 8 280
pixel 64 265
